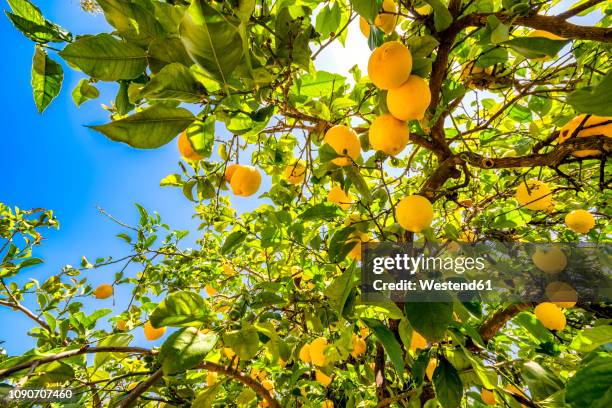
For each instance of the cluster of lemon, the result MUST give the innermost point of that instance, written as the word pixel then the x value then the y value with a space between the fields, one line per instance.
pixel 536 195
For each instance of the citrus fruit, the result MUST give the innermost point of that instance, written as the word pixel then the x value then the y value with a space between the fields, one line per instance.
pixel 389 65
pixel 551 261
pixel 211 378
pixel 414 213
pixel 550 315
pixel 103 291
pixel 417 341
pixel 359 346
pixel 317 351
pixel 322 378
pixel 389 134
pixel 411 100
pixel 345 142
pixel 357 237
pixel 210 291
pixel 327 404
pixel 186 148
pixel 580 221
pixel 337 196
pixel 431 367
pixel 385 21
pixel 245 181
pixel 592 126
pixel 304 353
pixel 295 173
pixel 534 195
pixel 488 396
pixel 561 294
pixel 151 333
pixel 229 171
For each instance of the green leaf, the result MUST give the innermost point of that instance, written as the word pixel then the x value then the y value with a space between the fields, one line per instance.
pixel 321 211
pixel 244 342
pixel 591 338
pixel 164 51
pixel 590 386
pixel 83 92
pixel 389 342
pixel 533 326
pixel 180 308
pixel 105 58
pixel 359 182
pixel 338 245
pixel 122 100
pixel 245 9
pixel 542 383
pixel 47 77
pixel 28 19
pixel 30 262
pixel 206 397
pixel 134 22
pixel 211 40
pixel 447 385
pixel 429 318
pixel 421 46
pixel 595 100
pixel 535 47
pixel 174 81
pixel 117 340
pixel 232 241
pixel 338 291
pixel 201 135
pixel 184 349
pixel 442 17
pixel 174 180
pixel 368 9
pixel 328 20
pixel 148 129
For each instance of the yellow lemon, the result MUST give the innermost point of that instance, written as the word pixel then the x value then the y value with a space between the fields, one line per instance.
pixel 245 181
pixel 550 315
pixel 121 325
pixel 327 404
pixel 414 213
pixel 417 341
pixel 345 142
pixel 389 134
pixel 151 333
pixel 322 378
pixel 337 196
pixel 431 367
pixel 295 173
pixel 186 149
pixel 411 100
pixel 534 195
pixel 551 261
pixel 359 346
pixel 229 171
pixel 210 291
pixel 580 221
pixel 317 351
pixel 103 291
pixel 211 378
pixel 389 65
pixel 358 238
pixel 304 353
pixel 228 270
pixel 385 21
pixel 488 396
pixel 593 126
pixel 561 294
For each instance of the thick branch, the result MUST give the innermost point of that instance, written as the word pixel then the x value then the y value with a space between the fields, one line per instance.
pixel 140 389
pixel 243 378
pixel 579 9
pixel 70 353
pixel 492 325
pixel 552 24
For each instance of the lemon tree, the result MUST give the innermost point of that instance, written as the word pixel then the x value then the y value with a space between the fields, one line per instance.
pixel 476 120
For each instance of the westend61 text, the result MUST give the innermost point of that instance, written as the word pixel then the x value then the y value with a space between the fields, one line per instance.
pixel 429 285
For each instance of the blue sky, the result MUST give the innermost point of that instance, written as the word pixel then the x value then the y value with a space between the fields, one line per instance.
pixel 53 161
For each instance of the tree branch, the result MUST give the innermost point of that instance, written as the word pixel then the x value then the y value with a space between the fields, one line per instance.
pixel 578 9
pixel 552 24
pixel 493 324
pixel 27 312
pixel 70 353
pixel 140 389
pixel 244 379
